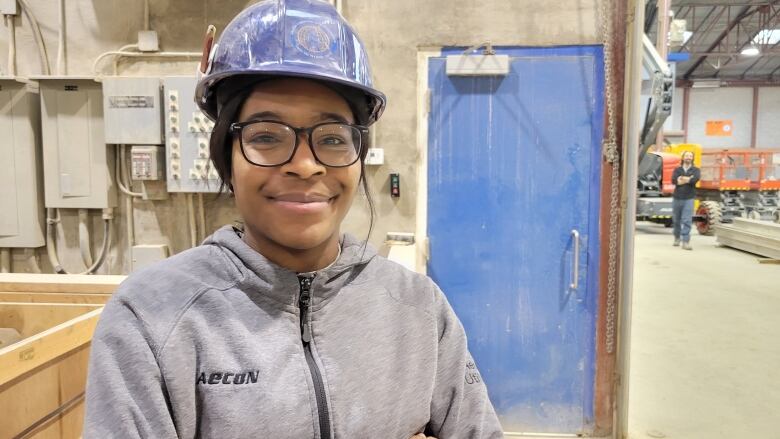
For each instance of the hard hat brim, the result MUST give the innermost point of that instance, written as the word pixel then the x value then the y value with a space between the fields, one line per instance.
pixel 206 91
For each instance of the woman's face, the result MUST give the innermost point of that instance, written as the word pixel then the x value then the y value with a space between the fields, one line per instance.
pixel 299 205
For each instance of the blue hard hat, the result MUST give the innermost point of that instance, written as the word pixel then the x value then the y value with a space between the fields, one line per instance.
pixel 292 38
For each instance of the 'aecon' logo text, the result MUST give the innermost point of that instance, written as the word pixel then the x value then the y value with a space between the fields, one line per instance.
pixel 249 377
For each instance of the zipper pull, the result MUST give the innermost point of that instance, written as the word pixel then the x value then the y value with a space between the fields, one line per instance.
pixel 303 304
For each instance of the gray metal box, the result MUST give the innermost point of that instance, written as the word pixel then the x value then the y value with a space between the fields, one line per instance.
pixel 22 216
pixel 77 164
pixel 143 255
pixel 187 139
pixel 147 162
pixel 131 111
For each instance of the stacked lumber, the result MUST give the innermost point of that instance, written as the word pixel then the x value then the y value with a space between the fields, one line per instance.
pixel 47 323
pixel 754 236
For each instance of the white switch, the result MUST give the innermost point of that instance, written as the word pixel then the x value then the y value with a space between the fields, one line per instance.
pixel 375 156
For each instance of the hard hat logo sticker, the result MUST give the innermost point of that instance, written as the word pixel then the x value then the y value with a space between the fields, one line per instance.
pixel 312 39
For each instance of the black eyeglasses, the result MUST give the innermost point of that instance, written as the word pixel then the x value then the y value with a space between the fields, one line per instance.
pixel 269 144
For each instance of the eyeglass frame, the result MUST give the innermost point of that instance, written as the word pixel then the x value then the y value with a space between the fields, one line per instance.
pixel 236 128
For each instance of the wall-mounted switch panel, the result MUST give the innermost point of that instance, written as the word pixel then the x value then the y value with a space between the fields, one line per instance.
pixel 77 164
pixel 132 111
pixel 22 216
pixel 187 132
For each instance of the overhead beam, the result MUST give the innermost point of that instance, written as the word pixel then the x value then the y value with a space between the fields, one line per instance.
pixel 695 34
pixel 744 12
pixel 753 35
pixel 651 10
pixel 771 75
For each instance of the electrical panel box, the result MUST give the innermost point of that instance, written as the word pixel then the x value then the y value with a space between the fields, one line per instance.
pixel 147 162
pixel 188 131
pixel 143 255
pixel 375 156
pixel 22 216
pixel 9 7
pixel 77 164
pixel 131 111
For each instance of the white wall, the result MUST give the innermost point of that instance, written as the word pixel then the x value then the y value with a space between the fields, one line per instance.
pixel 674 123
pixel 725 103
pixel 730 103
pixel 768 135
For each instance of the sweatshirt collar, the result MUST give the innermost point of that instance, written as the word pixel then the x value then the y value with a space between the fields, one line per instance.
pixel 268 279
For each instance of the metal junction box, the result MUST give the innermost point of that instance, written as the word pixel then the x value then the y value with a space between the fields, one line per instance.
pixel 131 111
pixel 77 165
pixel 22 214
pixel 147 163
pixel 188 131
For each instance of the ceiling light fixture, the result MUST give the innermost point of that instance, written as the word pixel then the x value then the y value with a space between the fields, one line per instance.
pixel 751 50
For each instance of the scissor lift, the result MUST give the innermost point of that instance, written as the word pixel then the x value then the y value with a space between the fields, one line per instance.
pixel 738 183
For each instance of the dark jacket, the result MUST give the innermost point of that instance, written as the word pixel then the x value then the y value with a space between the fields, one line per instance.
pixel 686 191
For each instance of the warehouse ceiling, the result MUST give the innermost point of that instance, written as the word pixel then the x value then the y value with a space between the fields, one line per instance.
pixel 727 40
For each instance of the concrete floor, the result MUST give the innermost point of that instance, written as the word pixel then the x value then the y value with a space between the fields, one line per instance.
pixel 705 341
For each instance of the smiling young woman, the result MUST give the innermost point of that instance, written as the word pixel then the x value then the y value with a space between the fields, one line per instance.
pixel 285 328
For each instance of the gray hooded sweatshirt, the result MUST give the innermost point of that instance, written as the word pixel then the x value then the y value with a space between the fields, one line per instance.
pixel 218 342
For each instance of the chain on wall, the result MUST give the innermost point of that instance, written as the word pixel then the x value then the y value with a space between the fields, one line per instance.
pixel 612 156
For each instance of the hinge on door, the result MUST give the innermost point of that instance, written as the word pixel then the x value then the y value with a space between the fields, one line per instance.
pixel 427 248
pixel 428 101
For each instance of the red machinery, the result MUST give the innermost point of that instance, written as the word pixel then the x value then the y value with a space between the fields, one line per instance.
pixel 738 183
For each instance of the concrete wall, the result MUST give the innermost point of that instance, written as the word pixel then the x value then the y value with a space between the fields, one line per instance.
pixel 768 135
pixel 393 31
pixel 735 104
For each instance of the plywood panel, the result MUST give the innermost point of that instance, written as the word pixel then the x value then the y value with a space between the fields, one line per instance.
pixel 74 298
pixel 32 318
pixel 42 391
pixel 32 352
pixel 59 283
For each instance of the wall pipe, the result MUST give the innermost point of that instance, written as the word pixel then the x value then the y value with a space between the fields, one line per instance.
pixel 62 61
pixel 51 239
pixel 201 217
pixel 146 15
pixel 123 49
pixel 37 36
pixel 191 218
pixel 11 24
pixel 124 54
pixel 632 113
pixel 119 170
pixel 5 260
pixel 32 260
pixel 84 247
pixel 129 195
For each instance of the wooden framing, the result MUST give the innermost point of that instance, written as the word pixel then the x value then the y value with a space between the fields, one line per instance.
pixel 43 376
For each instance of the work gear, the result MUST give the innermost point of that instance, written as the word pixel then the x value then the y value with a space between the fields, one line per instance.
pixel 290 38
pixel 219 342
pixel 685 191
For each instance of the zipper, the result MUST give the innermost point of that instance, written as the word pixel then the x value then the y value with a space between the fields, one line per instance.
pixel 319 387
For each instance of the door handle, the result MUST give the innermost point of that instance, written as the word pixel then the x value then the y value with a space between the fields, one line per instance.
pixel 575 236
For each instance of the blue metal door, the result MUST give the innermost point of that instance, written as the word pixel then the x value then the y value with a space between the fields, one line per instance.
pixel 513 177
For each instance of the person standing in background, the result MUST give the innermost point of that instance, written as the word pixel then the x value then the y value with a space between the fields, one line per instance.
pixel 684 178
